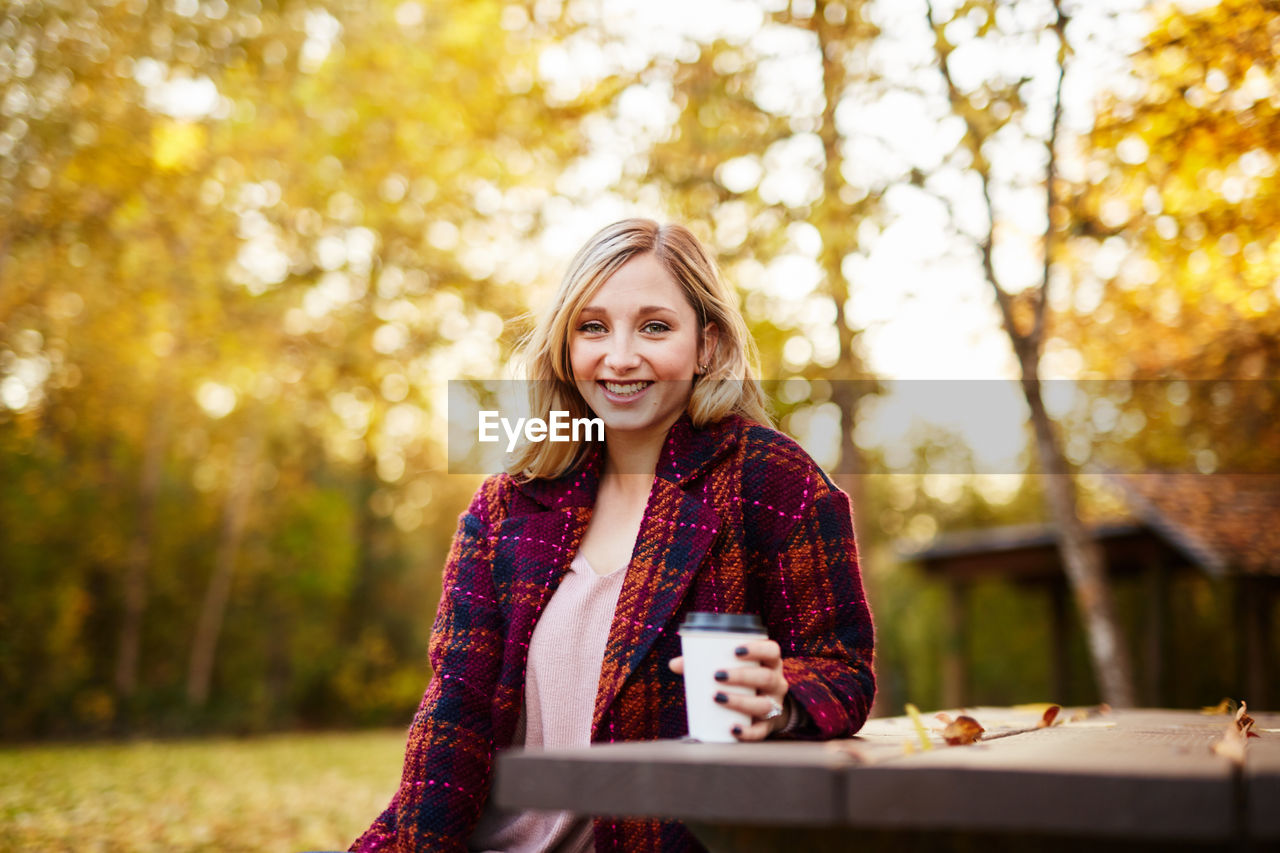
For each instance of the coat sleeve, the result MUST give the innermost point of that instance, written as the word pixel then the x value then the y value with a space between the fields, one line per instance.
pixel 449 755
pixel 818 614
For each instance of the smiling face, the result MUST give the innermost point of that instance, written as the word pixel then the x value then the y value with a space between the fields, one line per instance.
pixel 635 348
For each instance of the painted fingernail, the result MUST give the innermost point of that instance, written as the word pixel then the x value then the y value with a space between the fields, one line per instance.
pixel 737 730
pixel 721 698
pixel 740 651
pixel 721 675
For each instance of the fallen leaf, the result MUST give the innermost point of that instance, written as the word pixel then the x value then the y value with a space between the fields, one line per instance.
pixel 1243 721
pixel 1086 713
pixel 1050 714
pixel 1231 745
pixel 914 713
pixel 1223 707
pixel 962 732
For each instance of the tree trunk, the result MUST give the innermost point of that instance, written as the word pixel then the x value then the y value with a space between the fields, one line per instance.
pixel 235 513
pixel 141 548
pixel 1081 557
pixel 358 610
pixel 141 553
pixel 837 218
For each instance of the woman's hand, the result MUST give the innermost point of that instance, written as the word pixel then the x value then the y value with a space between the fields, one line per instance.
pixel 767 680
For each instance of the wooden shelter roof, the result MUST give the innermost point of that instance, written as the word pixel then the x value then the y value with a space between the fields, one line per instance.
pixel 1221 523
pixel 1029 552
pixel 1229 523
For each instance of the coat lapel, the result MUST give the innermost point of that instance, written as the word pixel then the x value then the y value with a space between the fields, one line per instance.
pixel 536 543
pixel 678 529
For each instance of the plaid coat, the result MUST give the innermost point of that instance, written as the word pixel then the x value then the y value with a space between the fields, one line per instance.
pixel 739 519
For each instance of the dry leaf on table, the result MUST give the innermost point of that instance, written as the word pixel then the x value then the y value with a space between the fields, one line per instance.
pixel 962 731
pixel 1086 713
pixel 1231 745
pixel 1244 722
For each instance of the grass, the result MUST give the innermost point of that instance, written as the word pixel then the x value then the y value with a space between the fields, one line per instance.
pixel 279 793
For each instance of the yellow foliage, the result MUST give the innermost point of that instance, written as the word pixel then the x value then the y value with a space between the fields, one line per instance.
pixel 177 145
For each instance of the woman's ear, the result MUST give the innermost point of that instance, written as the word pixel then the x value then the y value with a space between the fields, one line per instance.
pixel 710 339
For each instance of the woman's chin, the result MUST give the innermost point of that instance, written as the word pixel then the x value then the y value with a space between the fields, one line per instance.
pixel 626 423
pixel 636 423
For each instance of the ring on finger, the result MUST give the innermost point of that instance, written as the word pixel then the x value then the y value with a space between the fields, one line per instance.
pixel 775 711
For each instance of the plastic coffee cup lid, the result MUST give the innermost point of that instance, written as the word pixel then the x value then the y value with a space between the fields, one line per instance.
pixel 743 623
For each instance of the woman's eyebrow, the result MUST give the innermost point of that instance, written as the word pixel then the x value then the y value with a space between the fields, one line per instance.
pixel 644 309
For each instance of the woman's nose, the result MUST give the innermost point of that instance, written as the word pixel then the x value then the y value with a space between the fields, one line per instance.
pixel 621 356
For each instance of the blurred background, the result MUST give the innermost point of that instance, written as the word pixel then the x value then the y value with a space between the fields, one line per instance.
pixel 1003 259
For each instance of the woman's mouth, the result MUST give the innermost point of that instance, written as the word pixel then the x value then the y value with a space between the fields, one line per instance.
pixel 623 390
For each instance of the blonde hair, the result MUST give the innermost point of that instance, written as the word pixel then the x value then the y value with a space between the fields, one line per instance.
pixel 728 385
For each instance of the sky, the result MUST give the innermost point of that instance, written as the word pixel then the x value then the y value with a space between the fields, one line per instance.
pixel 917 290
pixel 918 294
pixel 916 283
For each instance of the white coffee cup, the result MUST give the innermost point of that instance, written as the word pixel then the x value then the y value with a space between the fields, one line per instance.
pixel 708 642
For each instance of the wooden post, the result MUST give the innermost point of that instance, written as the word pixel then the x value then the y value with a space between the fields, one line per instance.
pixel 955 657
pixel 1253 605
pixel 1060 640
pixel 1268 662
pixel 1154 683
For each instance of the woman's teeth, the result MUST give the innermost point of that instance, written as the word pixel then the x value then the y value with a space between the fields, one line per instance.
pixel 625 390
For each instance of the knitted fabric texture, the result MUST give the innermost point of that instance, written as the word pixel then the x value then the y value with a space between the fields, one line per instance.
pixel 739 519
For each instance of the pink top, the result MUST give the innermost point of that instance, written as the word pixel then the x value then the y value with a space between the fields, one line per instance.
pixel 561 680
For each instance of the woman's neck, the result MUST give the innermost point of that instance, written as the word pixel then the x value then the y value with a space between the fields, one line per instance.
pixel 632 459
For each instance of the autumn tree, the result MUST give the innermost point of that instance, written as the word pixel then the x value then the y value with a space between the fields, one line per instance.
pixel 757 160
pixel 1169 237
pixel 241 248
pixel 996 117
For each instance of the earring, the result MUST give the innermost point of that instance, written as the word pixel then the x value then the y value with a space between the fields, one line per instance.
pixel 703 368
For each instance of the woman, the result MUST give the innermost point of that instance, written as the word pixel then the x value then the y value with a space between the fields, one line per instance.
pixel 583 560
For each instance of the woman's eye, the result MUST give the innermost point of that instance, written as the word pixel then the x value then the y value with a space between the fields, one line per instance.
pixel 654 327
pixel 591 327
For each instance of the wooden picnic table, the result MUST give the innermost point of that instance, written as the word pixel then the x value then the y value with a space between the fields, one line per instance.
pixel 1134 779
